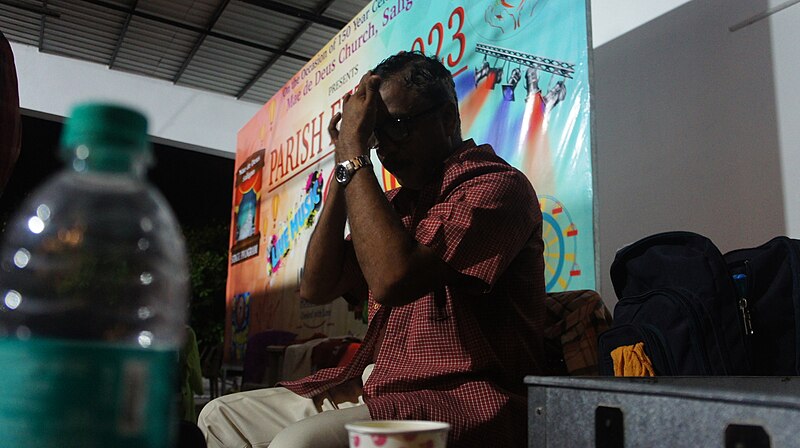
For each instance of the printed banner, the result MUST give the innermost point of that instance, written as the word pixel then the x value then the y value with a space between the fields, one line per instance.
pixel 521 69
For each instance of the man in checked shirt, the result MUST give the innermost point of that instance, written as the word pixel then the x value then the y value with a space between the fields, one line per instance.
pixel 451 263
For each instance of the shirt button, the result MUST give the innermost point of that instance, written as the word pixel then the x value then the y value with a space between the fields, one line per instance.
pixel 375 306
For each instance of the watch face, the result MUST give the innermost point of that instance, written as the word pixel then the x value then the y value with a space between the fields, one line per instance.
pixel 342 174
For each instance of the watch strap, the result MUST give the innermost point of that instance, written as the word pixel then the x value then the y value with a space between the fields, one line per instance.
pixel 360 162
pixel 350 167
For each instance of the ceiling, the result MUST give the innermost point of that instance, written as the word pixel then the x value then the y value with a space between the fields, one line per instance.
pixel 247 49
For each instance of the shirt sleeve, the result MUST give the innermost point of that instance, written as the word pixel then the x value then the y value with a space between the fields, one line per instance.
pixel 482 224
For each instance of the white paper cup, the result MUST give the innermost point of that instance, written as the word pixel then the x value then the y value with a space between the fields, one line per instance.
pixel 397 434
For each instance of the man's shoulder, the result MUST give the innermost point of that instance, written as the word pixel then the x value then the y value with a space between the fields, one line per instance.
pixel 476 161
pixel 472 155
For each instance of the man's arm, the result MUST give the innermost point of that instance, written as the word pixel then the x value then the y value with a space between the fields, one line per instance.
pixel 397 268
pixel 327 253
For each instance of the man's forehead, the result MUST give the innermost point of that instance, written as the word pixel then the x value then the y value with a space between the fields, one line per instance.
pixel 400 100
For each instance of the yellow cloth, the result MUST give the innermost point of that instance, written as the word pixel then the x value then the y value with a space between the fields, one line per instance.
pixel 631 360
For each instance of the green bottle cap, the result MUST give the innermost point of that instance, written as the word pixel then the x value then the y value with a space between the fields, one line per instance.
pixel 106 135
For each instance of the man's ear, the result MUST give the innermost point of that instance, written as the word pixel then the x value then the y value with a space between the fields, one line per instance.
pixel 450 119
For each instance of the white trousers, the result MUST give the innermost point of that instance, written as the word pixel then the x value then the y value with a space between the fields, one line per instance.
pixel 278 418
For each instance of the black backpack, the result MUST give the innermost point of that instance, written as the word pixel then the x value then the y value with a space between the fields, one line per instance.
pixel 701 313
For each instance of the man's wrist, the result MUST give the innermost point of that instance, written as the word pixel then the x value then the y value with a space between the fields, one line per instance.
pixel 348 149
pixel 345 170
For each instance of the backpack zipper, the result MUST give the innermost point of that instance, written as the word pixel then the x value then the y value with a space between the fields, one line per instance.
pixel 653 338
pixel 740 280
pixel 697 319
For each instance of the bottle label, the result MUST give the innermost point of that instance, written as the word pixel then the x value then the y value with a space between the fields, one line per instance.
pixel 85 394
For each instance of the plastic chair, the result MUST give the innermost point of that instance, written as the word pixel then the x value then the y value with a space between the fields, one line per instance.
pixel 210 365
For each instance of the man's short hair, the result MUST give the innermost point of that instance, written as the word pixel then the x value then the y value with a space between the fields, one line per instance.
pixel 424 75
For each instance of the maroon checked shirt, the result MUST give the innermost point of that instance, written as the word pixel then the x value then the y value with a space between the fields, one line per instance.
pixel 454 355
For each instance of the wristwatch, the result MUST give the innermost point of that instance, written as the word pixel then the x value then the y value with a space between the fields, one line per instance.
pixel 346 169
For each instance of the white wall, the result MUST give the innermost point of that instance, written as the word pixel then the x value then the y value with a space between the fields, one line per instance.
pixel 181 116
pixel 695 125
pixel 786 59
pixel 613 18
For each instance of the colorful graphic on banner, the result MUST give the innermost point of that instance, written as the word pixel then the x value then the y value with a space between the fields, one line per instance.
pixel 522 77
pixel 299 219
pixel 246 208
pixel 240 323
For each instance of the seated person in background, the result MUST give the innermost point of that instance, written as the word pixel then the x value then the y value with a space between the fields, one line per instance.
pixel 452 265
pixel 190 376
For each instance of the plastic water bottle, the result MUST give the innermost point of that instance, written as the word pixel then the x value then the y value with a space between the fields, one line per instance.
pixel 93 291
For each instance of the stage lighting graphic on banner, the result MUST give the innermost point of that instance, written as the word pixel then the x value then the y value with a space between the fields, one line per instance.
pixel 521 70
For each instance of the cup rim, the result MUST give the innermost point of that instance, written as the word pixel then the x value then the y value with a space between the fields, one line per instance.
pixel 400 426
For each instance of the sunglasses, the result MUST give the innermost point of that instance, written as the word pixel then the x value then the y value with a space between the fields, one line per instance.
pixel 396 129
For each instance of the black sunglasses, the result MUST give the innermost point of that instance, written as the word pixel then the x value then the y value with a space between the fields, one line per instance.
pixel 396 129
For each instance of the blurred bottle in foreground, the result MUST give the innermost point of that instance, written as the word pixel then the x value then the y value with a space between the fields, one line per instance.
pixel 93 290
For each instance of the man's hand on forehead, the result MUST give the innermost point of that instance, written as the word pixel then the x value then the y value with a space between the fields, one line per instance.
pixel 358 118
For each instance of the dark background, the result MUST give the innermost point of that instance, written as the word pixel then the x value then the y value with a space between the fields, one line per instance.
pixel 198 187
